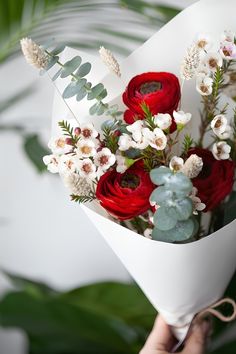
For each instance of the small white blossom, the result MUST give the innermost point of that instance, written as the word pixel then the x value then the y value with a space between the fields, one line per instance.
pixel 228 36
pixel 85 148
pixel 228 51
pixel 86 169
pixel 203 71
pixel 181 117
pixel 158 139
pixel 203 41
pixel 104 159
pixel 34 54
pixel 121 164
pixel 213 61
pixel 176 163
pixel 88 131
pixel 59 145
pixel 125 142
pixel 110 61
pixel 226 134
pixel 192 166
pixel 163 121
pixel 204 85
pixel 52 163
pixel 197 204
pixel 67 163
pixel 221 150
pixel 190 63
pixel 136 130
pixel 148 233
pixel 76 184
pixel 219 124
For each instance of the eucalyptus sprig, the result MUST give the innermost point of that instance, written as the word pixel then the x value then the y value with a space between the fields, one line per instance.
pixel 173 219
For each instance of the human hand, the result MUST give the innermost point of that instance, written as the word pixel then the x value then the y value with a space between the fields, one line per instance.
pixel 161 340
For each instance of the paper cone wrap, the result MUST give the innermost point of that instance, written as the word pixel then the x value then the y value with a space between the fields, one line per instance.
pixel 179 280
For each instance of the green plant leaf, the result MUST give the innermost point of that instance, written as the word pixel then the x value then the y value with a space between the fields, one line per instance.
pixel 161 195
pixel 74 88
pixel 83 70
pixel 165 218
pixel 35 151
pixel 70 66
pixel 59 48
pixel 51 63
pixel 58 73
pixel 182 231
pixel 160 175
pixel 96 91
pixel 184 208
pixel 179 182
pixel 81 94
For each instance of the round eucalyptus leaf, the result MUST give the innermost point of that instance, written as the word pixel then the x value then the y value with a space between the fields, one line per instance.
pixel 162 236
pixel 74 88
pixel 95 91
pixel 52 62
pixel 165 218
pixel 93 109
pixel 102 95
pixel 83 70
pixel 70 66
pixel 58 49
pixel 101 109
pixel 58 73
pixel 179 182
pixel 132 153
pixel 81 94
pixel 109 124
pixel 160 195
pixel 160 175
pixel 184 208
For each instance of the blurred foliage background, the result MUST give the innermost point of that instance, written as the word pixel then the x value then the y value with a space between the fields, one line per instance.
pixel 104 317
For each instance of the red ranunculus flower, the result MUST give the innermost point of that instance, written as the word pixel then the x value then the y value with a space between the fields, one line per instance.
pixel 216 179
pixel 160 91
pixel 125 195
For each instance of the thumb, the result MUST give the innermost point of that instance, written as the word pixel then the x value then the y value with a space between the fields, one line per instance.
pixel 197 341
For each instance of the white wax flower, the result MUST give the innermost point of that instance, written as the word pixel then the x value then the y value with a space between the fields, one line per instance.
pixel 226 134
pixel 52 163
pixel 213 61
pixel 204 85
pixel 163 120
pixel 158 139
pixel 181 117
pixel 85 148
pixel 176 163
pixel 88 131
pixel 136 130
pixel 203 41
pixel 121 164
pixel 228 51
pixel 59 145
pixel 227 36
pixel 86 169
pixel 219 124
pixel 104 159
pixel 221 150
pixel 197 204
pixel 67 163
pixel 125 142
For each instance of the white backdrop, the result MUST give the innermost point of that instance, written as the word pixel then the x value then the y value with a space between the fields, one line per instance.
pixel 37 220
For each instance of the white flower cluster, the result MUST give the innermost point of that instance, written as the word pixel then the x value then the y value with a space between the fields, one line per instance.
pixel 202 61
pixel 222 130
pixel 87 159
pixel 140 136
pixel 191 167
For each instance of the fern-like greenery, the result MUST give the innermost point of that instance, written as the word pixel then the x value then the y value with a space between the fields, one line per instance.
pixel 68 131
pixel 82 198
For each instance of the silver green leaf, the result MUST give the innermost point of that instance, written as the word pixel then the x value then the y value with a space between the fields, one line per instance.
pixel 70 66
pixel 58 73
pixel 58 49
pixel 165 218
pixel 81 94
pixel 83 70
pixel 179 182
pixel 52 62
pixel 95 91
pixel 160 175
pixel 182 231
pixel 74 88
pixel 184 208
pixel 160 195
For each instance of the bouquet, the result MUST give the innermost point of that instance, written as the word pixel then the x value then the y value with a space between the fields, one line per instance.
pixel 160 190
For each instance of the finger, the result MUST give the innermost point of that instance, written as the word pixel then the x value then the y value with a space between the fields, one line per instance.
pixel 161 337
pixel 197 340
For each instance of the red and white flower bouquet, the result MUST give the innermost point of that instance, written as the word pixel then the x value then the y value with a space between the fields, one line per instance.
pixel 151 149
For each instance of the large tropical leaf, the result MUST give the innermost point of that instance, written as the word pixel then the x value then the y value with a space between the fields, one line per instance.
pixel 79 23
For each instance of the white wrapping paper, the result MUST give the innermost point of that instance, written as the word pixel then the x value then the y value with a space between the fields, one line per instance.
pixel 179 280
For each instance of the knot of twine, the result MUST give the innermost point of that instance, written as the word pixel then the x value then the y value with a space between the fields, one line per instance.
pixel 212 310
